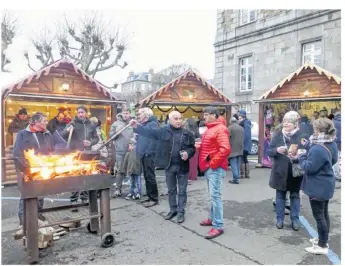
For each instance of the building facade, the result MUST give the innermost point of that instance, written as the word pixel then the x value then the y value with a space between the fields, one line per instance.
pixel 255 49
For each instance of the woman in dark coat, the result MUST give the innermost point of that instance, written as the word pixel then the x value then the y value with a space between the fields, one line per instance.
pixel 281 178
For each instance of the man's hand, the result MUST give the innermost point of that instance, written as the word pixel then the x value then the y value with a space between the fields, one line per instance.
pixel 281 149
pixel 133 123
pixel 184 155
pixel 86 143
pixel 69 128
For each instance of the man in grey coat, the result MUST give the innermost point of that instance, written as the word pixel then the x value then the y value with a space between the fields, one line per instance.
pixel 121 145
pixel 236 133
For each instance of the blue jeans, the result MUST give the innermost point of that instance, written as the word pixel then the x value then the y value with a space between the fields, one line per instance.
pixel 215 179
pixel 295 204
pixel 235 163
pixel 135 184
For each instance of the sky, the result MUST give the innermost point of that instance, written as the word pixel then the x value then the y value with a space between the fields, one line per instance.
pixel 156 38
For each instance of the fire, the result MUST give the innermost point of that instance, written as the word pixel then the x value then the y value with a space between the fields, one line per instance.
pixel 43 167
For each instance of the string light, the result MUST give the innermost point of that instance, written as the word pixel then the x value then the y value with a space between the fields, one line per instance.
pixel 10 120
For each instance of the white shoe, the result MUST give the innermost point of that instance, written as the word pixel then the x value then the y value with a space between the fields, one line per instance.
pixel 317 250
pixel 315 241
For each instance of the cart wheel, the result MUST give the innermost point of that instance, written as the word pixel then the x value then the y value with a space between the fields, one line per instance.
pixel 108 240
pixel 89 229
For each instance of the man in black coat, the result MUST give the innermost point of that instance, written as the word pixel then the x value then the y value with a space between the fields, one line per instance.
pixel 84 136
pixel 175 147
pixel 37 137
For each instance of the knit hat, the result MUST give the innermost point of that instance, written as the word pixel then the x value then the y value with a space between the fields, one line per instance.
pixel 22 111
pixel 242 113
pixel 132 141
pixel 82 107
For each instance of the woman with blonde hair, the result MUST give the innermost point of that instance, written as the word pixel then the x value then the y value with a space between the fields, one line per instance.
pixel 285 176
pixel 319 180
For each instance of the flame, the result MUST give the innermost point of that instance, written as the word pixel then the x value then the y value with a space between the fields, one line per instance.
pixel 43 167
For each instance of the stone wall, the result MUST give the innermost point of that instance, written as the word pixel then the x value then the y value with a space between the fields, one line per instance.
pixel 275 42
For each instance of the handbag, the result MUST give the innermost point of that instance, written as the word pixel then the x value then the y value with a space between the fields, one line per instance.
pixel 297 170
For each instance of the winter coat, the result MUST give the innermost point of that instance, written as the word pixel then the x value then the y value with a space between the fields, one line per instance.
pixel 319 180
pixel 41 142
pixel 281 173
pixel 306 128
pixel 131 164
pixel 121 142
pixel 145 145
pixel 236 133
pixel 83 130
pixel 60 142
pixel 247 126
pixel 16 125
pixel 165 143
pixel 215 146
pixel 337 125
pixel 54 124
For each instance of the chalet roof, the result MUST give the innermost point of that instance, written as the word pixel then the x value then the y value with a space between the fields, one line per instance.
pixel 307 65
pixel 171 84
pixel 45 71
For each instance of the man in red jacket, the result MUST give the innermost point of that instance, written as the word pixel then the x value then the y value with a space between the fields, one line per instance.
pixel 213 160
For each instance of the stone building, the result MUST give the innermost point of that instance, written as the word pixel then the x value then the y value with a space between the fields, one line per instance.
pixel 255 49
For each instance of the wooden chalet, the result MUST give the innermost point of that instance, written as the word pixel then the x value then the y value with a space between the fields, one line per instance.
pixel 189 93
pixel 308 89
pixel 61 84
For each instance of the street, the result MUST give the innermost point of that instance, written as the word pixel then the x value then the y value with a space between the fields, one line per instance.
pixel 144 237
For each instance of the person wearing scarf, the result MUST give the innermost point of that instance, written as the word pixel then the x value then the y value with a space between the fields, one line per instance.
pixel 281 178
pixel 34 136
pixel 319 180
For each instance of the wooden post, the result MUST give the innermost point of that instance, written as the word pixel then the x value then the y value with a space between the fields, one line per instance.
pixel 261 136
pixel 3 161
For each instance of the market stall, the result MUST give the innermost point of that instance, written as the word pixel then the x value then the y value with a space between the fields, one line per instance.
pixel 189 93
pixel 59 85
pixel 307 90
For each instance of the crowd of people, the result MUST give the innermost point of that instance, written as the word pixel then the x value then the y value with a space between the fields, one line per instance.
pixel 305 157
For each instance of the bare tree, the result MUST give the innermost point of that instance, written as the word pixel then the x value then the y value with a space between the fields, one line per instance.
pixel 91 43
pixel 9 28
pixel 168 74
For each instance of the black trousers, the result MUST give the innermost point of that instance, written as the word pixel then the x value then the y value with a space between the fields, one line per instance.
pixel 245 157
pixel 150 177
pixel 175 178
pixel 320 213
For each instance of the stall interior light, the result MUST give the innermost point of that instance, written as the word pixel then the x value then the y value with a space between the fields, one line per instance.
pixel 306 93
pixel 64 84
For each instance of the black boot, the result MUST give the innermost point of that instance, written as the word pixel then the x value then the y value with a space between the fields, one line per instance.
pixel 170 215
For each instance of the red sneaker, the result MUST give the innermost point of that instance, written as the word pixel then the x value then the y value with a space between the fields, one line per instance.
pixel 206 222
pixel 213 233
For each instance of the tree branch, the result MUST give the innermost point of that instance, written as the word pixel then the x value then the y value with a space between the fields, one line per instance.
pixel 26 55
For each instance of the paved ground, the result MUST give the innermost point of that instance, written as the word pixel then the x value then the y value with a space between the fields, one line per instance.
pixel 144 237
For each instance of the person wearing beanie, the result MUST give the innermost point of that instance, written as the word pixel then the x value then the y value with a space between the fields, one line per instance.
pixel 236 133
pixel 20 122
pixel 247 126
pixel 84 136
pixel 284 178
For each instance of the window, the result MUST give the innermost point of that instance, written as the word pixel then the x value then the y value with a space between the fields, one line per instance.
pixel 247 16
pixel 246 74
pixel 246 107
pixel 312 52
